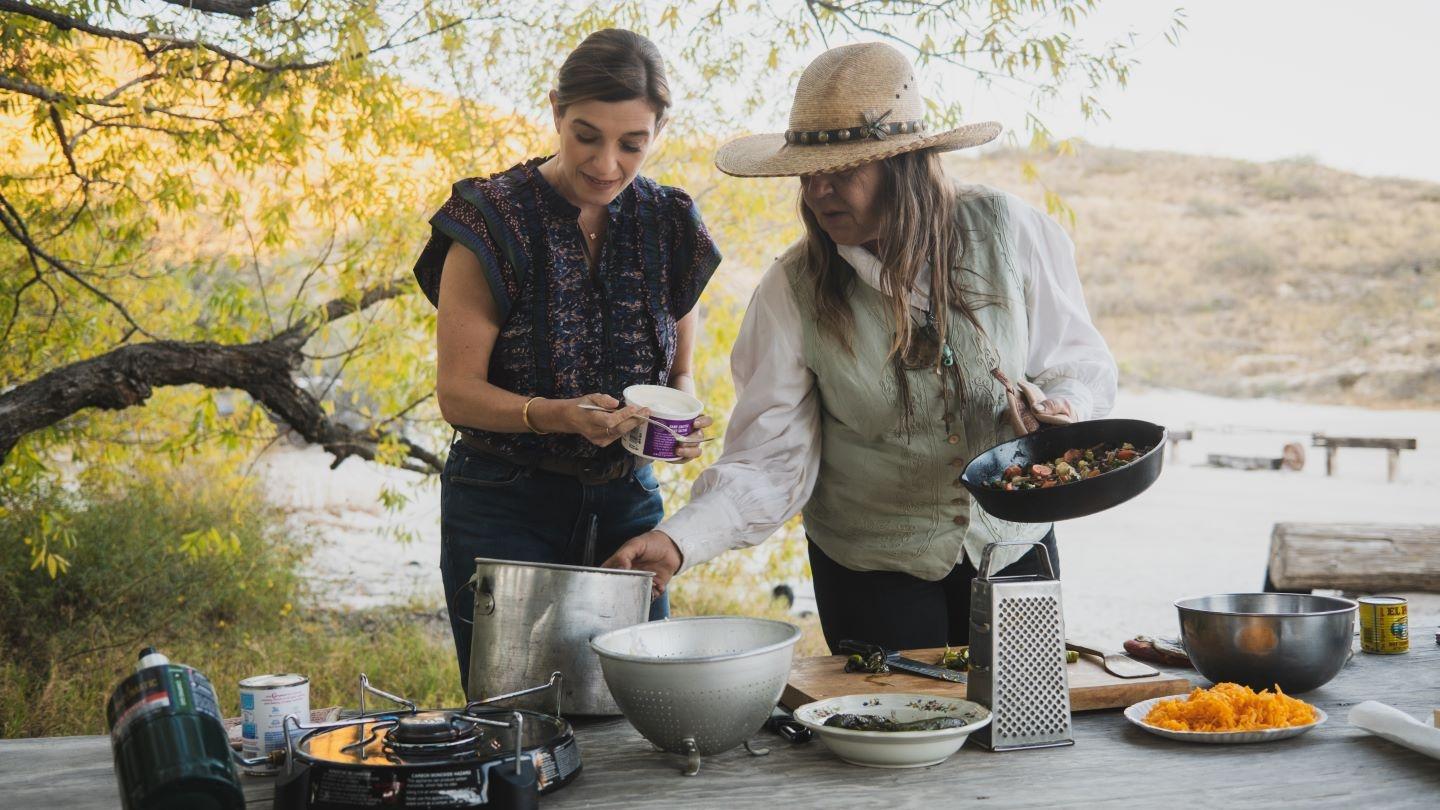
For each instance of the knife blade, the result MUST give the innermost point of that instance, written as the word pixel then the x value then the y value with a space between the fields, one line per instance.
pixel 900 662
pixel 897 661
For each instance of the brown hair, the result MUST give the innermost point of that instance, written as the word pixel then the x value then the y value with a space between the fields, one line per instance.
pixel 614 65
pixel 916 228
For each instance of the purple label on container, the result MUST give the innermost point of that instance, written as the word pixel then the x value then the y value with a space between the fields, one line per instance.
pixel 658 441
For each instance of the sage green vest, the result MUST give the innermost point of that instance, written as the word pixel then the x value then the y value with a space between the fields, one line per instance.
pixel 885 501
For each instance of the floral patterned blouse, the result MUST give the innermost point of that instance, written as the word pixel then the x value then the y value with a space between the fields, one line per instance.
pixel 567 331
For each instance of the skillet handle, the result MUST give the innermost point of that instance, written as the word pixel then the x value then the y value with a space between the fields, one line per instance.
pixel 983 571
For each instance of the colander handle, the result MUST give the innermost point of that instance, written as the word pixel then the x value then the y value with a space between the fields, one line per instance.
pixel 983 572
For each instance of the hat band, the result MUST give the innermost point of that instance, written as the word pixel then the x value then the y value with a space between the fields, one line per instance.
pixel 878 131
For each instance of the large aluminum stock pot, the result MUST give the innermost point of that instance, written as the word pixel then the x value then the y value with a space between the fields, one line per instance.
pixel 532 619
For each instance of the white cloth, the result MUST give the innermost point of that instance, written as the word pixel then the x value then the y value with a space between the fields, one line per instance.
pixel 1397 727
pixel 772 450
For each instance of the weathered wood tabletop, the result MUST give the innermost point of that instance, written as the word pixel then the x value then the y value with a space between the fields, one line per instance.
pixel 1111 763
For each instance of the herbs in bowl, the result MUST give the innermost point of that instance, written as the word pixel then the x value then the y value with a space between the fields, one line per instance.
pixel 893 730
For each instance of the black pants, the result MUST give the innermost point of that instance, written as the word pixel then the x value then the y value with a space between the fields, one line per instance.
pixel 899 611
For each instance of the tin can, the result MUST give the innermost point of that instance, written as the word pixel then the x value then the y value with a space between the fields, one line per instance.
pixel 1384 624
pixel 265 700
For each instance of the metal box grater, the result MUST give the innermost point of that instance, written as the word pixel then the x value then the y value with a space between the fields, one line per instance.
pixel 1017 658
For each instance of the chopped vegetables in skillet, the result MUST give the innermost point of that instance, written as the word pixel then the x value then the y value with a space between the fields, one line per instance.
pixel 1075 465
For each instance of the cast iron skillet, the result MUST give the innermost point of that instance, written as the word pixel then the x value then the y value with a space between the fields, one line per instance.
pixel 1072 500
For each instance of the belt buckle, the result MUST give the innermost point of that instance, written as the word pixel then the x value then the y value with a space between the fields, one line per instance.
pixel 591 473
pixel 595 472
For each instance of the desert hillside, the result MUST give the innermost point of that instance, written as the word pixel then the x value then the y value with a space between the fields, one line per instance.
pixel 1229 277
pixel 1236 278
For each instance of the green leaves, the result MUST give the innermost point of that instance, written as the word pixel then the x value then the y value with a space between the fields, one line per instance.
pixel 207 541
pixel 189 176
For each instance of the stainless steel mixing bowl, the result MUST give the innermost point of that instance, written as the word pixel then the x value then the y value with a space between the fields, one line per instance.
pixel 1296 641
pixel 699 685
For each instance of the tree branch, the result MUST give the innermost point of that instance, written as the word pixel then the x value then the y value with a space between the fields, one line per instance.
pixel 244 9
pixel 13 224
pixel 67 23
pixel 154 44
pixel 126 377
pixel 53 96
pixel 340 307
pixel 65 144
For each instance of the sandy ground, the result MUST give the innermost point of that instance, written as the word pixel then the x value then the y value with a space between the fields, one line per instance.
pixel 363 555
pixel 1198 530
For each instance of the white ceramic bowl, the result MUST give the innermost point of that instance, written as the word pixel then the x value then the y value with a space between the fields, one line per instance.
pixel 893 749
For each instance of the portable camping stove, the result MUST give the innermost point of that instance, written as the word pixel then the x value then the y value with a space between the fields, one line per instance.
pixel 478 756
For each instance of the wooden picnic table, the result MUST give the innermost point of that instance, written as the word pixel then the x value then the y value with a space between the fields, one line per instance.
pixel 1111 763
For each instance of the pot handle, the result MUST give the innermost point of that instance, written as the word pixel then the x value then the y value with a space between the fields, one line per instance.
pixel 484 599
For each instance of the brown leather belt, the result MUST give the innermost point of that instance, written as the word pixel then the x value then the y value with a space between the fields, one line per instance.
pixel 587 470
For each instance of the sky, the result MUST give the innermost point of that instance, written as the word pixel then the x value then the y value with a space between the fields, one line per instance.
pixel 1350 84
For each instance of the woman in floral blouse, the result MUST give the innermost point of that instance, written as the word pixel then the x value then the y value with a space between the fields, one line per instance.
pixel 558 283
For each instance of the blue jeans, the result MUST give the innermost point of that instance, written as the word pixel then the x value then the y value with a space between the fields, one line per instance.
pixel 493 508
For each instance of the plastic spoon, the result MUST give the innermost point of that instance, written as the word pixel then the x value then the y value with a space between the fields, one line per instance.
pixel 585 406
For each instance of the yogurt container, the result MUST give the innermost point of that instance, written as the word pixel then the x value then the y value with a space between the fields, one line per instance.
pixel 674 408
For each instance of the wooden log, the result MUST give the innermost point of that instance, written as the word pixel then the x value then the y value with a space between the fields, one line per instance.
pixel 1292 456
pixel 1243 462
pixel 1356 557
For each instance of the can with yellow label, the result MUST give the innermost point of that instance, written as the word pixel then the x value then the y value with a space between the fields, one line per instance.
pixel 1384 624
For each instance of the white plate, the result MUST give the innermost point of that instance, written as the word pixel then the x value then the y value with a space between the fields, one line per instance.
pixel 1136 714
pixel 893 749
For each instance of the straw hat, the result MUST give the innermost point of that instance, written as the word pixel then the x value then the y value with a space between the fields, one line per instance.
pixel 854 104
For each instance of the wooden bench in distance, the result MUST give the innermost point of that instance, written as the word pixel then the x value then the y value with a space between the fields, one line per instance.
pixel 1175 437
pixel 1355 557
pixel 1334 443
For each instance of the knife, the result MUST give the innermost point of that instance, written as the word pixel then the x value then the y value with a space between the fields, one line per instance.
pixel 897 661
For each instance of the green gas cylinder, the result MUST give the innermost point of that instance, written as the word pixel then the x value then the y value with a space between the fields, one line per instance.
pixel 171 750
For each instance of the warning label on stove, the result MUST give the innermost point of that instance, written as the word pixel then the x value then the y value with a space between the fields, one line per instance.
pixel 558 765
pixel 333 789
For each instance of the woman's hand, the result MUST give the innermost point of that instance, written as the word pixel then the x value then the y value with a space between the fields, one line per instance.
pixel 652 551
pixel 689 451
pixel 1054 412
pixel 600 427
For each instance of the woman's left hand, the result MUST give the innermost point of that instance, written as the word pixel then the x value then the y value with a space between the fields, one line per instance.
pixel 689 451
pixel 1054 412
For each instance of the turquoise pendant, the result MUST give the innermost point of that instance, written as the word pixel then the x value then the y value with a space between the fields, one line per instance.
pixel 947 357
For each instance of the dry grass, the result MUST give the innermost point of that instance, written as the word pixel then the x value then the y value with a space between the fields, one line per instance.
pixel 1224 276
pixel 1237 278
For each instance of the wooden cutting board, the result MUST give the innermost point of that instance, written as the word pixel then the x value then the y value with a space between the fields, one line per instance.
pixel 1091 687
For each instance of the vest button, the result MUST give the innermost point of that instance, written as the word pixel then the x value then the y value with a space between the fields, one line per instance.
pixel 954 439
pixel 957 462
pixel 961 520
pixel 957 500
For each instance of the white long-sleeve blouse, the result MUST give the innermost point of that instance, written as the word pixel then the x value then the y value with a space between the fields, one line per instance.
pixel 772 449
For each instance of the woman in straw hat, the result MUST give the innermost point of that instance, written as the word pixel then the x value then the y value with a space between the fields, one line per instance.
pixel 877 357
pixel 558 283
